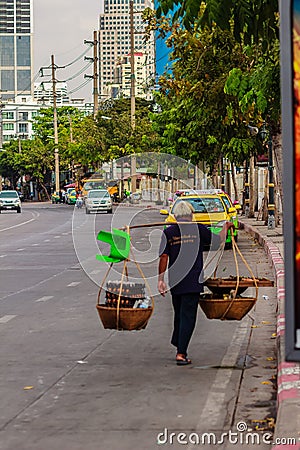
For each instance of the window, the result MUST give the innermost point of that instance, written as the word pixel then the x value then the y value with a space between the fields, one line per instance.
pixel 24 80
pixel 8 137
pixel 23 115
pixel 7 50
pixel 23 127
pixel 8 126
pixel 8 115
pixel 7 80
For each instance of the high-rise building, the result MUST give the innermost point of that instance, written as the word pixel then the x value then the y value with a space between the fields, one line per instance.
pixel 124 75
pixel 16 66
pixel 114 43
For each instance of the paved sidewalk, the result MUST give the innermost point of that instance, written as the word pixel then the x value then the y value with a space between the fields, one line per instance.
pixel 288 374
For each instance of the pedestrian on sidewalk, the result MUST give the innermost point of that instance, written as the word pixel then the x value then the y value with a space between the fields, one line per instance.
pixel 181 250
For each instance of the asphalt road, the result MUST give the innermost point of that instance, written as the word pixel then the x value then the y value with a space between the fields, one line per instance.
pixel 68 384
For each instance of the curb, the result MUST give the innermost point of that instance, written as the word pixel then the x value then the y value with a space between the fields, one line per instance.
pixel 288 374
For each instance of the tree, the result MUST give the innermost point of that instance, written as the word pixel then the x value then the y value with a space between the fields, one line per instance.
pixel 250 21
pixel 28 157
pixel 199 120
pixel 68 118
pixel 120 139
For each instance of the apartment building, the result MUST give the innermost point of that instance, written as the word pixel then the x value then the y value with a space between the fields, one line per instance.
pixel 123 74
pixel 114 45
pixel 43 93
pixel 17 116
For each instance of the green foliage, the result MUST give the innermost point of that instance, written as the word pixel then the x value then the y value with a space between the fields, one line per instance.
pixel 250 21
pixel 194 121
pixel 239 149
pixel 26 157
pixel 118 132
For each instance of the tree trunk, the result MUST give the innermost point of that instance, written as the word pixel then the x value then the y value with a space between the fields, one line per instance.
pixel 245 187
pixel 215 176
pixel 265 204
pixel 251 188
pixel 234 182
pixel 45 190
pixel 278 158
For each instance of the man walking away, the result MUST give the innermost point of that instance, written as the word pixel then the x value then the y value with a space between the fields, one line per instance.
pixel 181 250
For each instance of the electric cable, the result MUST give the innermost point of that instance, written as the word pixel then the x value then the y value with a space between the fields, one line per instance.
pixel 81 86
pixel 79 72
pixel 77 59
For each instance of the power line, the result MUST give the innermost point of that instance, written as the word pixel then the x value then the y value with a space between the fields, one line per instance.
pixel 79 87
pixel 77 59
pixel 79 72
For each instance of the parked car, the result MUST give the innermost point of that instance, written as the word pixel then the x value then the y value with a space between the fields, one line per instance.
pixel 98 200
pixel 10 200
pixel 212 208
pixel 55 197
pixel 70 196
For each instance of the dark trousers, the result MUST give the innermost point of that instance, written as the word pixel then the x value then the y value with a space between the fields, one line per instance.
pixel 185 314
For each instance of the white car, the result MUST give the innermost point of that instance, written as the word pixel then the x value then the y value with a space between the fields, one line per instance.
pixel 98 200
pixel 10 200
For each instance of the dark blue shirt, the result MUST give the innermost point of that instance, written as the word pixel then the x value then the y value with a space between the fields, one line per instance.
pixel 184 244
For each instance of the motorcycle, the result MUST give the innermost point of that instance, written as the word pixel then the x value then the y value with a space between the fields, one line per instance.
pixel 79 203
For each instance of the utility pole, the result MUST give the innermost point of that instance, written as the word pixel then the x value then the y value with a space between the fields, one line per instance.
pixel 132 71
pixel 95 75
pixel 1 135
pixel 132 95
pixel 246 190
pixel 95 92
pixel 56 155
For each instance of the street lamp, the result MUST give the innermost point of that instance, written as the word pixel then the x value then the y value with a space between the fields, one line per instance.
pixel 265 134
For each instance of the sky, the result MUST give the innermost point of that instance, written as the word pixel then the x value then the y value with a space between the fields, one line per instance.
pixel 60 27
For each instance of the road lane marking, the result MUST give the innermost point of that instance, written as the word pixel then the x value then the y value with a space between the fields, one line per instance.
pixel 35 245
pixel 40 283
pixel 74 283
pixel 57 237
pixel 44 299
pixel 47 240
pixel 95 272
pixel 20 249
pixel 2 256
pixel 23 223
pixel 7 318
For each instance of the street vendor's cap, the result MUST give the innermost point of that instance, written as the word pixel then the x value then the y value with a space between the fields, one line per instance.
pixel 183 209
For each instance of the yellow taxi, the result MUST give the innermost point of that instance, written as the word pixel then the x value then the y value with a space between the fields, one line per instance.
pixel 71 197
pixel 213 207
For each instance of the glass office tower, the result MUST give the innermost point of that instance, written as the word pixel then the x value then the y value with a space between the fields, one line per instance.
pixel 15 48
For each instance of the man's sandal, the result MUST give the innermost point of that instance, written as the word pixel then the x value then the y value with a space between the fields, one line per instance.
pixel 183 361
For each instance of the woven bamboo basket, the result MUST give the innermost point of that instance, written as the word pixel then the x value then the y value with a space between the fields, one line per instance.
pixel 230 307
pixel 128 319
pixel 226 309
pixel 119 318
pixel 225 285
